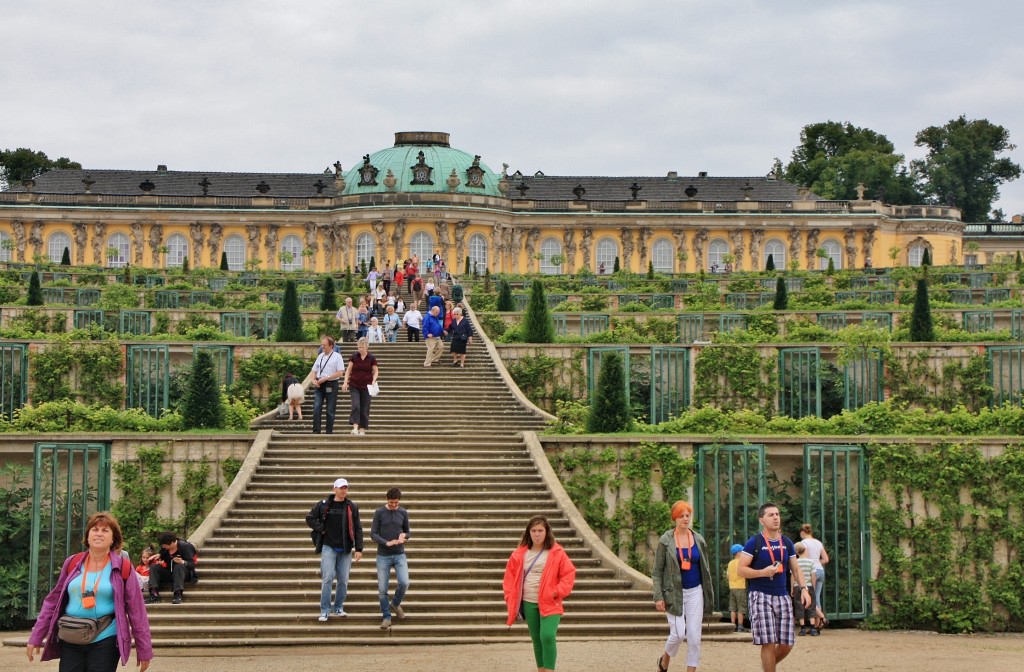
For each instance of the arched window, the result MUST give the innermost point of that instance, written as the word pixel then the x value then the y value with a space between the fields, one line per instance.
pixel 661 255
pixel 55 247
pixel 234 247
pixel 422 245
pixel 177 250
pixel 365 246
pixel 6 245
pixel 291 253
pixel 118 249
pixel 477 253
pixel 550 247
pixel 915 255
pixel 835 253
pixel 605 252
pixel 716 250
pixel 777 251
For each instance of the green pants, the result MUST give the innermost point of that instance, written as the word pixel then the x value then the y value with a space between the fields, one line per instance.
pixel 542 631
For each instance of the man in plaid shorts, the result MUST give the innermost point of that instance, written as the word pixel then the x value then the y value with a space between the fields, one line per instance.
pixel 763 563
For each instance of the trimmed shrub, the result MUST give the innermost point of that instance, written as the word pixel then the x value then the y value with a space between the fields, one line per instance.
pixel 328 297
pixel 781 295
pixel 505 302
pixel 201 407
pixel 35 290
pixel 224 262
pixel 921 329
pixel 609 411
pixel 65 259
pixel 770 264
pixel 537 324
pixel 289 328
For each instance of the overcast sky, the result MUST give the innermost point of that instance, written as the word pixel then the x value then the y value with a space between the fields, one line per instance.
pixel 590 87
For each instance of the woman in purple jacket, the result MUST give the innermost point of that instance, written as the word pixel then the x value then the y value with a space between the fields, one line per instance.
pixel 91 586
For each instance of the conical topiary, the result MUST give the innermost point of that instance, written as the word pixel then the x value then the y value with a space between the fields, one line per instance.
pixel 466 271
pixel 609 411
pixel 505 302
pixel 781 295
pixel 770 264
pixel 289 327
pixel 615 266
pixel 921 329
pixel 926 258
pixel 537 324
pixel 328 297
pixel 224 262
pixel 35 290
pixel 65 259
pixel 650 270
pixel 831 270
pixel 184 264
pixel 1019 263
pixel 201 405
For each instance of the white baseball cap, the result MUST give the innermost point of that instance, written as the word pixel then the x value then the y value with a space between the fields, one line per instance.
pixel 341 483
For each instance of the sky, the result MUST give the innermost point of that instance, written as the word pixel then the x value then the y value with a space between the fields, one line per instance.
pixel 589 87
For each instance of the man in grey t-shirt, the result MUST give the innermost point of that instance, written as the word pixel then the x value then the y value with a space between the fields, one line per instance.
pixel 390 530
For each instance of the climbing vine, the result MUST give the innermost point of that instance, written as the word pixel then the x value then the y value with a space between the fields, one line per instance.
pixel 547 380
pixel 735 377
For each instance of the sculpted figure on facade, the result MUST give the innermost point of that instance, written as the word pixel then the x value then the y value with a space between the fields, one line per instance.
pixel 756 241
pixel 531 248
pixel 99 241
pixel 380 232
pixel 736 236
pixel 311 242
pixel 700 241
pixel 679 236
pixel 627 248
pixel 252 232
pixel 812 247
pixel 569 247
pixel 156 240
pixel 794 244
pixel 342 243
pixel 868 243
pixel 198 235
pixel 444 241
pixel 460 238
pixel 137 241
pixel 270 242
pixel 953 253
pixel 498 263
pixel 327 233
pixel 587 243
pixel 216 235
pixel 19 239
pixel 850 247
pixel 36 238
pixel 82 238
pixel 398 239
pixel 642 238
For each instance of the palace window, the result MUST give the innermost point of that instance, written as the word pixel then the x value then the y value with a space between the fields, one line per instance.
pixel 716 251
pixel 55 247
pixel 477 253
pixel 291 253
pixel 177 250
pixel 365 246
pixel 661 256
pixel 777 251
pixel 605 252
pixel 118 249
pixel 6 246
pixel 234 247
pixel 422 245
pixel 550 247
pixel 835 253
pixel 916 254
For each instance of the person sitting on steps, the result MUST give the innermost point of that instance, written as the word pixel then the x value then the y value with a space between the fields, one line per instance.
pixel 177 566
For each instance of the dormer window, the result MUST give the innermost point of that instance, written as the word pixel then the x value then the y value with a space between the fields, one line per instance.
pixel 421 172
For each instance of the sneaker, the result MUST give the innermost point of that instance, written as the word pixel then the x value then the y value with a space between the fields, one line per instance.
pixel 803 631
pixel 814 632
pixel 398 611
pixel 385 624
pixel 362 432
pixel 355 432
pixel 153 598
pixel 742 629
pixel 176 599
pixel 340 613
pixel 323 618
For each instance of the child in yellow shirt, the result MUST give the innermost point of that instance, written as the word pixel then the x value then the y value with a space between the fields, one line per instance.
pixel 737 590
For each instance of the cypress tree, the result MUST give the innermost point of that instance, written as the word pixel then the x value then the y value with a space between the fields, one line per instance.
pixel 487 281
pixel 35 290
pixel 346 285
pixel 781 294
pixel 65 259
pixel 466 271
pixel 650 270
pixel 615 266
pixel 608 409
pixel 224 261
pixel 770 264
pixel 831 270
pixel 328 297
pixel 373 264
pixel 921 329
pixel 289 327
pixel 1019 263
pixel 201 407
pixel 362 269
pixel 537 324
pixel 184 264
pixel 505 302
pixel 926 258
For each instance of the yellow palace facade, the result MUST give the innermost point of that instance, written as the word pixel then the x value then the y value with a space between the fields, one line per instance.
pixel 422 196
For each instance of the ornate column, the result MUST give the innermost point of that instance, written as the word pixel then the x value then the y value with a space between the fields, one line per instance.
pixel 19 238
pixel 680 238
pixel 82 238
pixel 398 239
pixel 794 245
pixel 736 235
pixel 216 234
pixel 460 243
pixel 588 245
pixel 99 235
pixel 270 242
pixel 327 232
pixel 195 230
pixel 342 243
pixel 812 248
pixel 138 242
pixel 498 262
pixel 868 244
pixel 311 242
pixel 441 229
pixel 700 241
pixel 756 241
pixel 382 241
pixel 252 232
pixel 156 240
pixel 531 249
pixel 850 245
pixel 36 238
pixel 626 236
pixel 645 235
pixel 569 248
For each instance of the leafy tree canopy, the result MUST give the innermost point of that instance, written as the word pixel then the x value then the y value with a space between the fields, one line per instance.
pixel 963 166
pixel 21 164
pixel 833 157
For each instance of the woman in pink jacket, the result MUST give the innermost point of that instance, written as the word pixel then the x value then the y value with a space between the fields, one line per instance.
pixel 538 576
pixel 92 585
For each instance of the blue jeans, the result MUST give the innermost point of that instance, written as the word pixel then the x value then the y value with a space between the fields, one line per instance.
pixel 384 565
pixel 322 399
pixel 333 564
pixel 818 587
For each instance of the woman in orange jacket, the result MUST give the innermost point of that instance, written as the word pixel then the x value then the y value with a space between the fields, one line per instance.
pixel 538 576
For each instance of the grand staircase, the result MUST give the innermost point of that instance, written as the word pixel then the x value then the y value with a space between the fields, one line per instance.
pixel 451 439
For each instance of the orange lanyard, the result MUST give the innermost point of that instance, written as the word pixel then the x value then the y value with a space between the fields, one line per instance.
pixel 782 553
pixel 684 553
pixel 99 575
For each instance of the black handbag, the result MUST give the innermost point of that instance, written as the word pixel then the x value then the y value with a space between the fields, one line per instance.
pixel 77 630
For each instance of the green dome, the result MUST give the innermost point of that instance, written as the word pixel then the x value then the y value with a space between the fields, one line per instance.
pixel 435 165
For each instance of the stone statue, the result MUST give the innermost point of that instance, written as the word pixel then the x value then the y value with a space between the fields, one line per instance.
pixel 99 242
pixel 850 244
pixel 156 241
pixel 195 230
pixel 342 242
pixel 382 241
pixel 252 231
pixel 82 238
pixel 36 238
pixel 680 237
pixel 812 247
pixel 700 241
pixel 398 239
pixel 736 236
pixel 19 239
pixel 587 243
pixel 496 264
pixel 216 235
pixel 311 238
pixel 270 242
pixel 645 235
pixel 441 229
pixel 868 243
pixel 569 247
pixel 756 241
pixel 513 243
pixel 794 244
pixel 460 238
pixel 327 233
pixel 531 246
pixel 860 191
pixel 953 253
pixel 138 242
pixel 626 236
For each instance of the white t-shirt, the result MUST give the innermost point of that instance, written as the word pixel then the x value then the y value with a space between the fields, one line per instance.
pixel 814 549
pixel 413 319
pixel 328 365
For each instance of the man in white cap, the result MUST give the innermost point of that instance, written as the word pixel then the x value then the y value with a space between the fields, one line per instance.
pixel 338 538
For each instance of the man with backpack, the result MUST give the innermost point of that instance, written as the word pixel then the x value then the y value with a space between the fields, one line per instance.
pixel 176 564
pixel 338 538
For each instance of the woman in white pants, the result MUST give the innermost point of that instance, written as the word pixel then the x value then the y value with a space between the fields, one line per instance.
pixel 682 586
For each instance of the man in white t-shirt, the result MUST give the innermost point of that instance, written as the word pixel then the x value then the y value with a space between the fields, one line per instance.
pixel 328 367
pixel 413 320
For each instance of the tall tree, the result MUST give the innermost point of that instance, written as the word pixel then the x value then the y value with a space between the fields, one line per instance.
pixel 781 301
pixel 289 327
pixel 963 166
pixel 21 164
pixel 834 157
pixel 328 296
pixel 65 259
pixel 537 324
pixel 505 302
pixel 35 290
pixel 224 261
pixel 921 330
pixel 201 405
pixel 608 409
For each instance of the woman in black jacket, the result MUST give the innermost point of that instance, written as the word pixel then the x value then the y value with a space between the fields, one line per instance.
pixel 461 333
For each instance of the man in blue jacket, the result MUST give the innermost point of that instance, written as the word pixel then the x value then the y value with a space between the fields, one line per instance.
pixel 433 333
